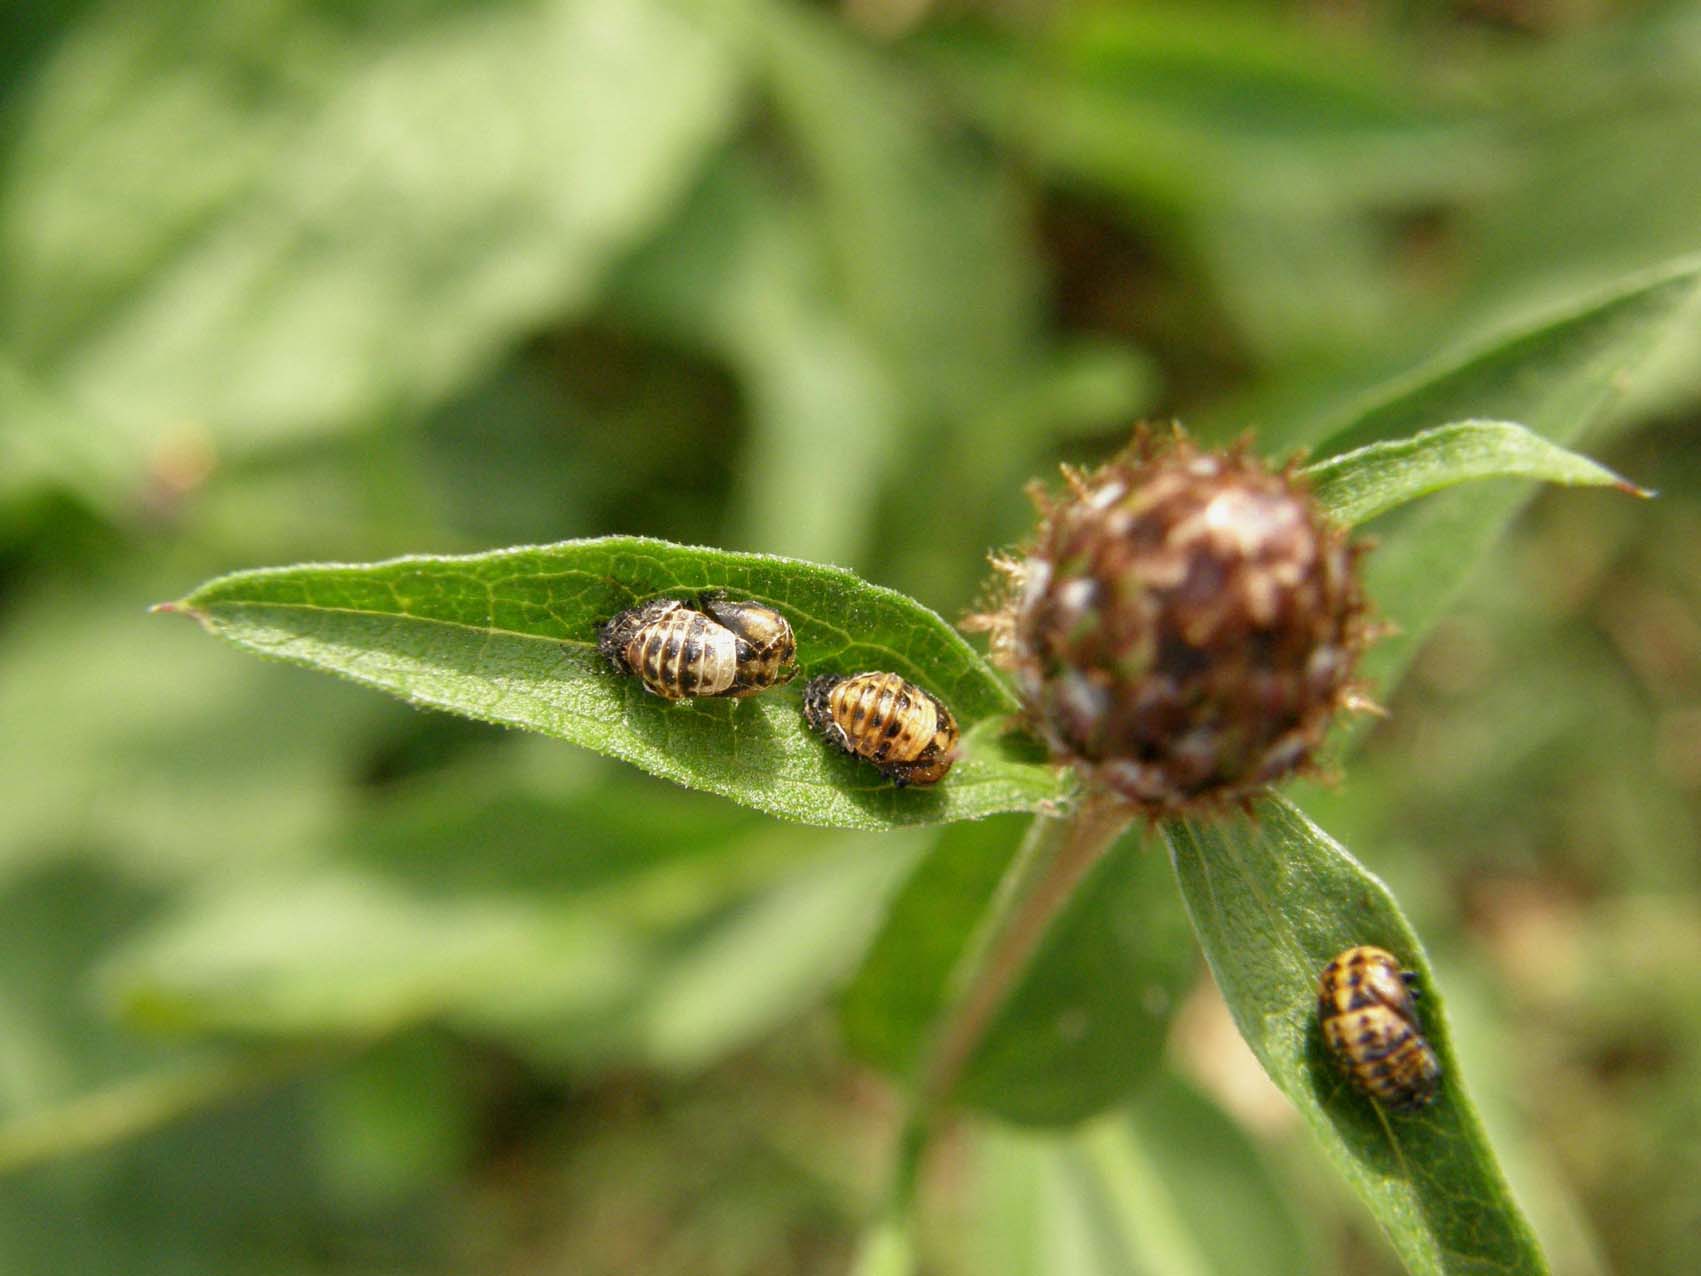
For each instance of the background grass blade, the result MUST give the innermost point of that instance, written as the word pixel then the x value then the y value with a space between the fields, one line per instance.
pixel 510 637
pixel 141 1104
pixel 1357 486
pixel 1271 903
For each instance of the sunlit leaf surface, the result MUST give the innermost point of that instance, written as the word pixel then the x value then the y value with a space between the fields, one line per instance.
pixel 1272 902
pixel 510 637
pixel 1357 486
pixel 1556 377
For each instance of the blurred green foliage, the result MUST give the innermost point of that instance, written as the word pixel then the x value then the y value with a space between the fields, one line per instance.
pixel 297 280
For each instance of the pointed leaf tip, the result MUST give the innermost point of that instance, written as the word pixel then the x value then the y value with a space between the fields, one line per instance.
pixel 1358 486
pixel 1272 902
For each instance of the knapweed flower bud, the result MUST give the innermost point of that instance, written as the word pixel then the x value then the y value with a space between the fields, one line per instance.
pixel 1185 625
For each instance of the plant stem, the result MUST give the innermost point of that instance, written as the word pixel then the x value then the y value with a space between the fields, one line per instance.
pixel 1054 859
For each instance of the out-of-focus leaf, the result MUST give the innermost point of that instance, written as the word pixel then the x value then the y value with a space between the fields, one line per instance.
pixel 609 927
pixel 770 960
pixel 117 741
pixel 1118 1210
pixel 744 272
pixel 886 1249
pixel 1492 1044
pixel 1272 902
pixel 271 219
pixel 56 923
pixel 1081 1028
pixel 46 443
pixel 888 309
pixel 1605 178
pixel 1255 153
pixel 1170 1188
pixel 1355 487
pixel 523 908
pixel 139 1105
pixel 1231 1203
pixel 924 227
pixel 1553 374
pixel 931 285
pixel 889 1008
pixel 510 637
pixel 393 1121
pixel 73 1083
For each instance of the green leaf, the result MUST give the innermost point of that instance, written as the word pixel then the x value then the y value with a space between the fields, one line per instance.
pixel 886 1248
pixel 1083 1026
pixel 341 213
pixel 926 230
pixel 623 923
pixel 1357 486
pixel 1558 377
pixel 744 273
pixel 1272 902
pixel 888 1010
pixel 510 637
pixel 1257 155
pixel 1554 373
pixel 117 736
pixel 1235 1210
pixel 625 950
pixel 1170 1187
pixel 138 1105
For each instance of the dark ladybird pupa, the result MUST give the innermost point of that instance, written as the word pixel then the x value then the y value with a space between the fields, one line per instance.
pixel 907 733
pixel 1184 625
pixel 674 651
pixel 1370 1024
pixel 766 646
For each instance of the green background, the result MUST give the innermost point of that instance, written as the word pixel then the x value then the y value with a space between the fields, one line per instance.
pixel 296 979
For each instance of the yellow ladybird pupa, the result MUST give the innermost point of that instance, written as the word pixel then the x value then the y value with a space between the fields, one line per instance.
pixel 1365 1004
pixel 906 732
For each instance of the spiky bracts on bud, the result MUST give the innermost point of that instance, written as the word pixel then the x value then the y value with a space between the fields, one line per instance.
pixel 1185 626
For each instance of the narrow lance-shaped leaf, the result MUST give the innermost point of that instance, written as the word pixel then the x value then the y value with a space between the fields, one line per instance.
pixel 510 637
pixel 1357 486
pixel 1272 902
pixel 1557 377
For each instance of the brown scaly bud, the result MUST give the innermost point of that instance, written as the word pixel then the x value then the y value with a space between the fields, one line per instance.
pixel 1185 625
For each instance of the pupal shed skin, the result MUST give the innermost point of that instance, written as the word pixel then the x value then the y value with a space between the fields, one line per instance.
pixel 1367 1012
pixel 728 648
pixel 905 731
pixel 767 648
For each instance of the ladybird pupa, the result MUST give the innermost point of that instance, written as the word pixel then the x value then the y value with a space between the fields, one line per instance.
pixel 1365 1004
pixel 906 732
